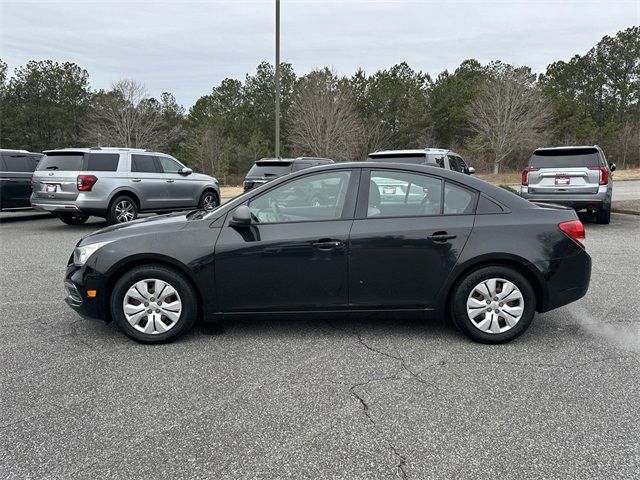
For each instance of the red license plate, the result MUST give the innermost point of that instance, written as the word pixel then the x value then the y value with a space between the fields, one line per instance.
pixel 51 187
pixel 563 181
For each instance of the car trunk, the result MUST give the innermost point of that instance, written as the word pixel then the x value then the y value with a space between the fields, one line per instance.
pixel 55 179
pixel 562 171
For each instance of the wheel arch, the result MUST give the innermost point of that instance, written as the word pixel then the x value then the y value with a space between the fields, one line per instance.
pixel 119 268
pixel 519 264
pixel 212 189
pixel 128 193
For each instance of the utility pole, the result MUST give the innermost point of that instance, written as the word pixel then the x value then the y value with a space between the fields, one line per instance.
pixel 277 79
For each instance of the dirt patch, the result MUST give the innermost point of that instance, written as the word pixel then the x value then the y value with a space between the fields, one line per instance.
pixel 626 206
pixel 228 192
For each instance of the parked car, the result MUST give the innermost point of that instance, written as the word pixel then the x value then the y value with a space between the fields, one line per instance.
pixel 578 177
pixel 117 184
pixel 268 169
pixel 476 252
pixel 427 156
pixel 16 170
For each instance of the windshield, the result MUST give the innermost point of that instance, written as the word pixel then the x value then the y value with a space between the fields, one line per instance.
pixel 61 162
pixel 270 169
pixel 565 158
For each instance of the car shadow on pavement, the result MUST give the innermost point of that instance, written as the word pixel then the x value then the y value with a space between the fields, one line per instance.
pixel 10 217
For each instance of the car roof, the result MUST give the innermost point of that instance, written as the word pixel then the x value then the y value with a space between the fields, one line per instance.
pixel 12 150
pixel 414 151
pixel 294 160
pixel 102 150
pixel 567 147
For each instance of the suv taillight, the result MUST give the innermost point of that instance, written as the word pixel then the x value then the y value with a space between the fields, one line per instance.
pixel 604 174
pixel 575 231
pixel 525 174
pixel 86 182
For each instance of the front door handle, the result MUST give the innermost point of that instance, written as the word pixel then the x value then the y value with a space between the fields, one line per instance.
pixel 170 181
pixel 136 180
pixel 328 244
pixel 441 237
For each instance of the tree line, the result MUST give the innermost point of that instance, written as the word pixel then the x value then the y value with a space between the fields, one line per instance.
pixel 494 114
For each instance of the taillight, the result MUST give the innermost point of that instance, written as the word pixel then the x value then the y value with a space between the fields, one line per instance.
pixel 604 175
pixel 575 231
pixel 525 174
pixel 86 182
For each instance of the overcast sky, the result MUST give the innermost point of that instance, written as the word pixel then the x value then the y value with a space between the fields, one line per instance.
pixel 187 47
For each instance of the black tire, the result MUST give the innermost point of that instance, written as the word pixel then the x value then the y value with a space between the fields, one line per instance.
pixel 119 205
pixel 73 218
pixel 463 289
pixel 177 280
pixel 209 194
pixel 603 216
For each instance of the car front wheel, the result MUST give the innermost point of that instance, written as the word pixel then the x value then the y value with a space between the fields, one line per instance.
pixel 121 210
pixel 208 201
pixel 153 304
pixel 493 304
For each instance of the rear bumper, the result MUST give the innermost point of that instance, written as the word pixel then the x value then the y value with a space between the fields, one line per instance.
pixel 83 205
pixel 54 207
pixel 577 201
pixel 567 281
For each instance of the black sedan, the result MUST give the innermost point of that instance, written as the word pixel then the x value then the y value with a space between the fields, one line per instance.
pixel 453 247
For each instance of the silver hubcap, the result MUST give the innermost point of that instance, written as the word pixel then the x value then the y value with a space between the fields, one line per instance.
pixel 209 202
pixel 125 211
pixel 495 305
pixel 152 306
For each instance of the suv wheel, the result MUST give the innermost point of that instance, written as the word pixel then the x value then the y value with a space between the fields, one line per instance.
pixel 603 216
pixel 153 304
pixel 493 304
pixel 208 201
pixel 73 218
pixel 122 209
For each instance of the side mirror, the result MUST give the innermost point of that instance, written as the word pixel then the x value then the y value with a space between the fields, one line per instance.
pixel 241 217
pixel 185 171
pixel 471 170
pixel 612 167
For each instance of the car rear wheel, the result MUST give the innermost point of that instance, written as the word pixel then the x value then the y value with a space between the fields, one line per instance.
pixel 122 209
pixel 208 201
pixel 603 216
pixel 153 304
pixel 493 304
pixel 73 218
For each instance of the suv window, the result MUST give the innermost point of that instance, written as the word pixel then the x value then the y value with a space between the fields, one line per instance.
pixel 102 162
pixel 437 158
pixel 417 159
pixel 400 194
pixel 18 162
pixel 144 164
pixel 310 198
pixel 457 200
pixel 565 158
pixel 61 161
pixel 169 165
pixel 274 168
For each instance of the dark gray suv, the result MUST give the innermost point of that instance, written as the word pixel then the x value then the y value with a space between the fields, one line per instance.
pixel 117 184
pixel 268 169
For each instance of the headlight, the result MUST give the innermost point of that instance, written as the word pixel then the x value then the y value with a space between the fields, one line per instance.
pixel 82 254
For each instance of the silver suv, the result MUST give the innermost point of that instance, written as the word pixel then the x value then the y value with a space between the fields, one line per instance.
pixel 117 184
pixel 578 177
pixel 438 157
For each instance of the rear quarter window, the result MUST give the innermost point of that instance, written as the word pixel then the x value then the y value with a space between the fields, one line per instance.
pixel 102 162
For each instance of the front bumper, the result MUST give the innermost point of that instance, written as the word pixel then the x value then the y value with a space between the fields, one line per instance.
pixel 78 280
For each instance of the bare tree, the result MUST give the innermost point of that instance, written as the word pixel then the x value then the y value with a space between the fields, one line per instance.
pixel 509 114
pixel 125 116
pixel 324 121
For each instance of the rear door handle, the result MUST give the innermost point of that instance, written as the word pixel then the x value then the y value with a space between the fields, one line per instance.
pixel 441 237
pixel 170 181
pixel 328 244
pixel 136 180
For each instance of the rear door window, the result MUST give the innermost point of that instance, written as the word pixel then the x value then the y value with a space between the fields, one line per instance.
pixel 61 162
pixel 569 158
pixel 102 162
pixel 144 164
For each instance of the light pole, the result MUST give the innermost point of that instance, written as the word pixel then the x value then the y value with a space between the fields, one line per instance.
pixel 277 79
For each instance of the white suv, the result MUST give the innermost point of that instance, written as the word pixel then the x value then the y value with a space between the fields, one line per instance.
pixel 117 184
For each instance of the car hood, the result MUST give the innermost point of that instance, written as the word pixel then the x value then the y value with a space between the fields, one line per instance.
pixel 144 226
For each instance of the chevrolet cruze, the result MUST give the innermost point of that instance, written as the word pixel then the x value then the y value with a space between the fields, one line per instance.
pixel 453 247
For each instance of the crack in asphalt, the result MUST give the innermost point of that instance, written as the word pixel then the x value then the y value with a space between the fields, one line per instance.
pixel 402 459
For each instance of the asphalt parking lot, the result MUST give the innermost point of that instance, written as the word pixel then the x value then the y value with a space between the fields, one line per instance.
pixel 376 398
